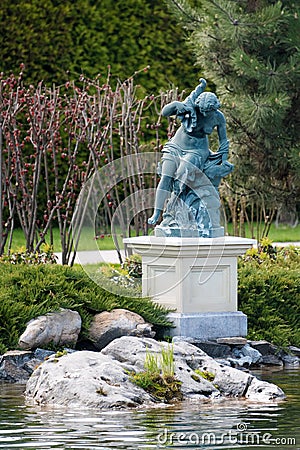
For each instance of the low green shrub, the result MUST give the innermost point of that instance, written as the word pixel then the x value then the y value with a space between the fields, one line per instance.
pixel 133 265
pixel 30 290
pixel 45 256
pixel 269 293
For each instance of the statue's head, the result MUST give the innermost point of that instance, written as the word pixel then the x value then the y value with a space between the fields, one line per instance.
pixel 207 102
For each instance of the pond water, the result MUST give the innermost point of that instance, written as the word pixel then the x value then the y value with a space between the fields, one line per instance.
pixel 227 425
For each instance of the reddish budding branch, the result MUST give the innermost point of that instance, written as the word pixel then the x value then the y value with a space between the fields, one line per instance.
pixel 52 139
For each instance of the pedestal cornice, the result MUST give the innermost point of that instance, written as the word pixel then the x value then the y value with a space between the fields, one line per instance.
pixel 186 247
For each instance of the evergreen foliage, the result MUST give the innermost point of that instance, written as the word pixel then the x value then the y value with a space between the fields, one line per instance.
pixel 269 293
pixel 30 290
pixel 250 51
pixel 60 40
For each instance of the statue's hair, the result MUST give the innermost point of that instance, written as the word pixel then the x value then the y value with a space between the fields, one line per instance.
pixel 207 101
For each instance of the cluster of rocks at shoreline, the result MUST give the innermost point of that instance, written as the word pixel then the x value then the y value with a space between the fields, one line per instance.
pixel 62 328
pixel 244 354
pixel 103 379
pixel 16 366
pixel 120 339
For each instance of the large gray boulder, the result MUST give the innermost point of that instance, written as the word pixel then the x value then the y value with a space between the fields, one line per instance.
pixel 131 353
pixel 102 379
pixel 107 326
pixel 83 379
pixel 59 328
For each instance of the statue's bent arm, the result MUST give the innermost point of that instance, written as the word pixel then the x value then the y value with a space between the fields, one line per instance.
pixel 197 91
pixel 174 108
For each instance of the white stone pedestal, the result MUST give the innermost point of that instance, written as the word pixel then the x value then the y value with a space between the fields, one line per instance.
pixel 197 278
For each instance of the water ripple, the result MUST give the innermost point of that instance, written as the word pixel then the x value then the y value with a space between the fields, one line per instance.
pixel 230 424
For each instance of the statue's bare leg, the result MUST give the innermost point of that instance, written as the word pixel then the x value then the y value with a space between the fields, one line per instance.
pixel 162 192
pixel 163 189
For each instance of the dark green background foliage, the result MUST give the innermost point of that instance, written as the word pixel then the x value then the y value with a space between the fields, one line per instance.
pixel 53 38
pixel 269 293
pixel 250 50
pixel 28 290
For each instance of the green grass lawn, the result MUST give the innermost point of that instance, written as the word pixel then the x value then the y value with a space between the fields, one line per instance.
pixel 87 241
pixel 280 234
pixel 105 242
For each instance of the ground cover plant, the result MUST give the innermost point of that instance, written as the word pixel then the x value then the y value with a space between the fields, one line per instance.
pixel 269 293
pixel 29 290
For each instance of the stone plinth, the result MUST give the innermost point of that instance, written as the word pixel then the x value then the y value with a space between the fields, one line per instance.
pixel 196 277
pixel 188 232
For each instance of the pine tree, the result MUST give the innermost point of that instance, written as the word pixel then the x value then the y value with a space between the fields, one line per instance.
pixel 250 51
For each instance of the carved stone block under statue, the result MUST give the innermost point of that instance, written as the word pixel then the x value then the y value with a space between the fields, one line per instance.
pixel 197 278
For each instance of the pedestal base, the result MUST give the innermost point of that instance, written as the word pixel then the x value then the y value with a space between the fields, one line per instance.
pixel 209 325
pixel 197 279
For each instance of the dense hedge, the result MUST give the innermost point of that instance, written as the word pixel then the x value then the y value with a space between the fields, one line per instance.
pixel 57 40
pixel 30 290
pixel 269 293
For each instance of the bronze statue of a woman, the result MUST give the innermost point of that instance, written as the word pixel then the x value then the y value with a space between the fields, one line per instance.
pixel 190 171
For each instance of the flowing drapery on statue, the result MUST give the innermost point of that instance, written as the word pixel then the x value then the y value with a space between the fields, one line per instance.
pixel 190 172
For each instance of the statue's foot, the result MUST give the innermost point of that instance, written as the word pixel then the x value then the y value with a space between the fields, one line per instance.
pixel 154 218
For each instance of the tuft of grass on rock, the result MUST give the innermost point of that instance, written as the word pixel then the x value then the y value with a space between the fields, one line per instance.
pixel 158 378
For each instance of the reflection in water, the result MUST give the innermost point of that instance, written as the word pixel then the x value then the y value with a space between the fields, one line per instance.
pixel 219 425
